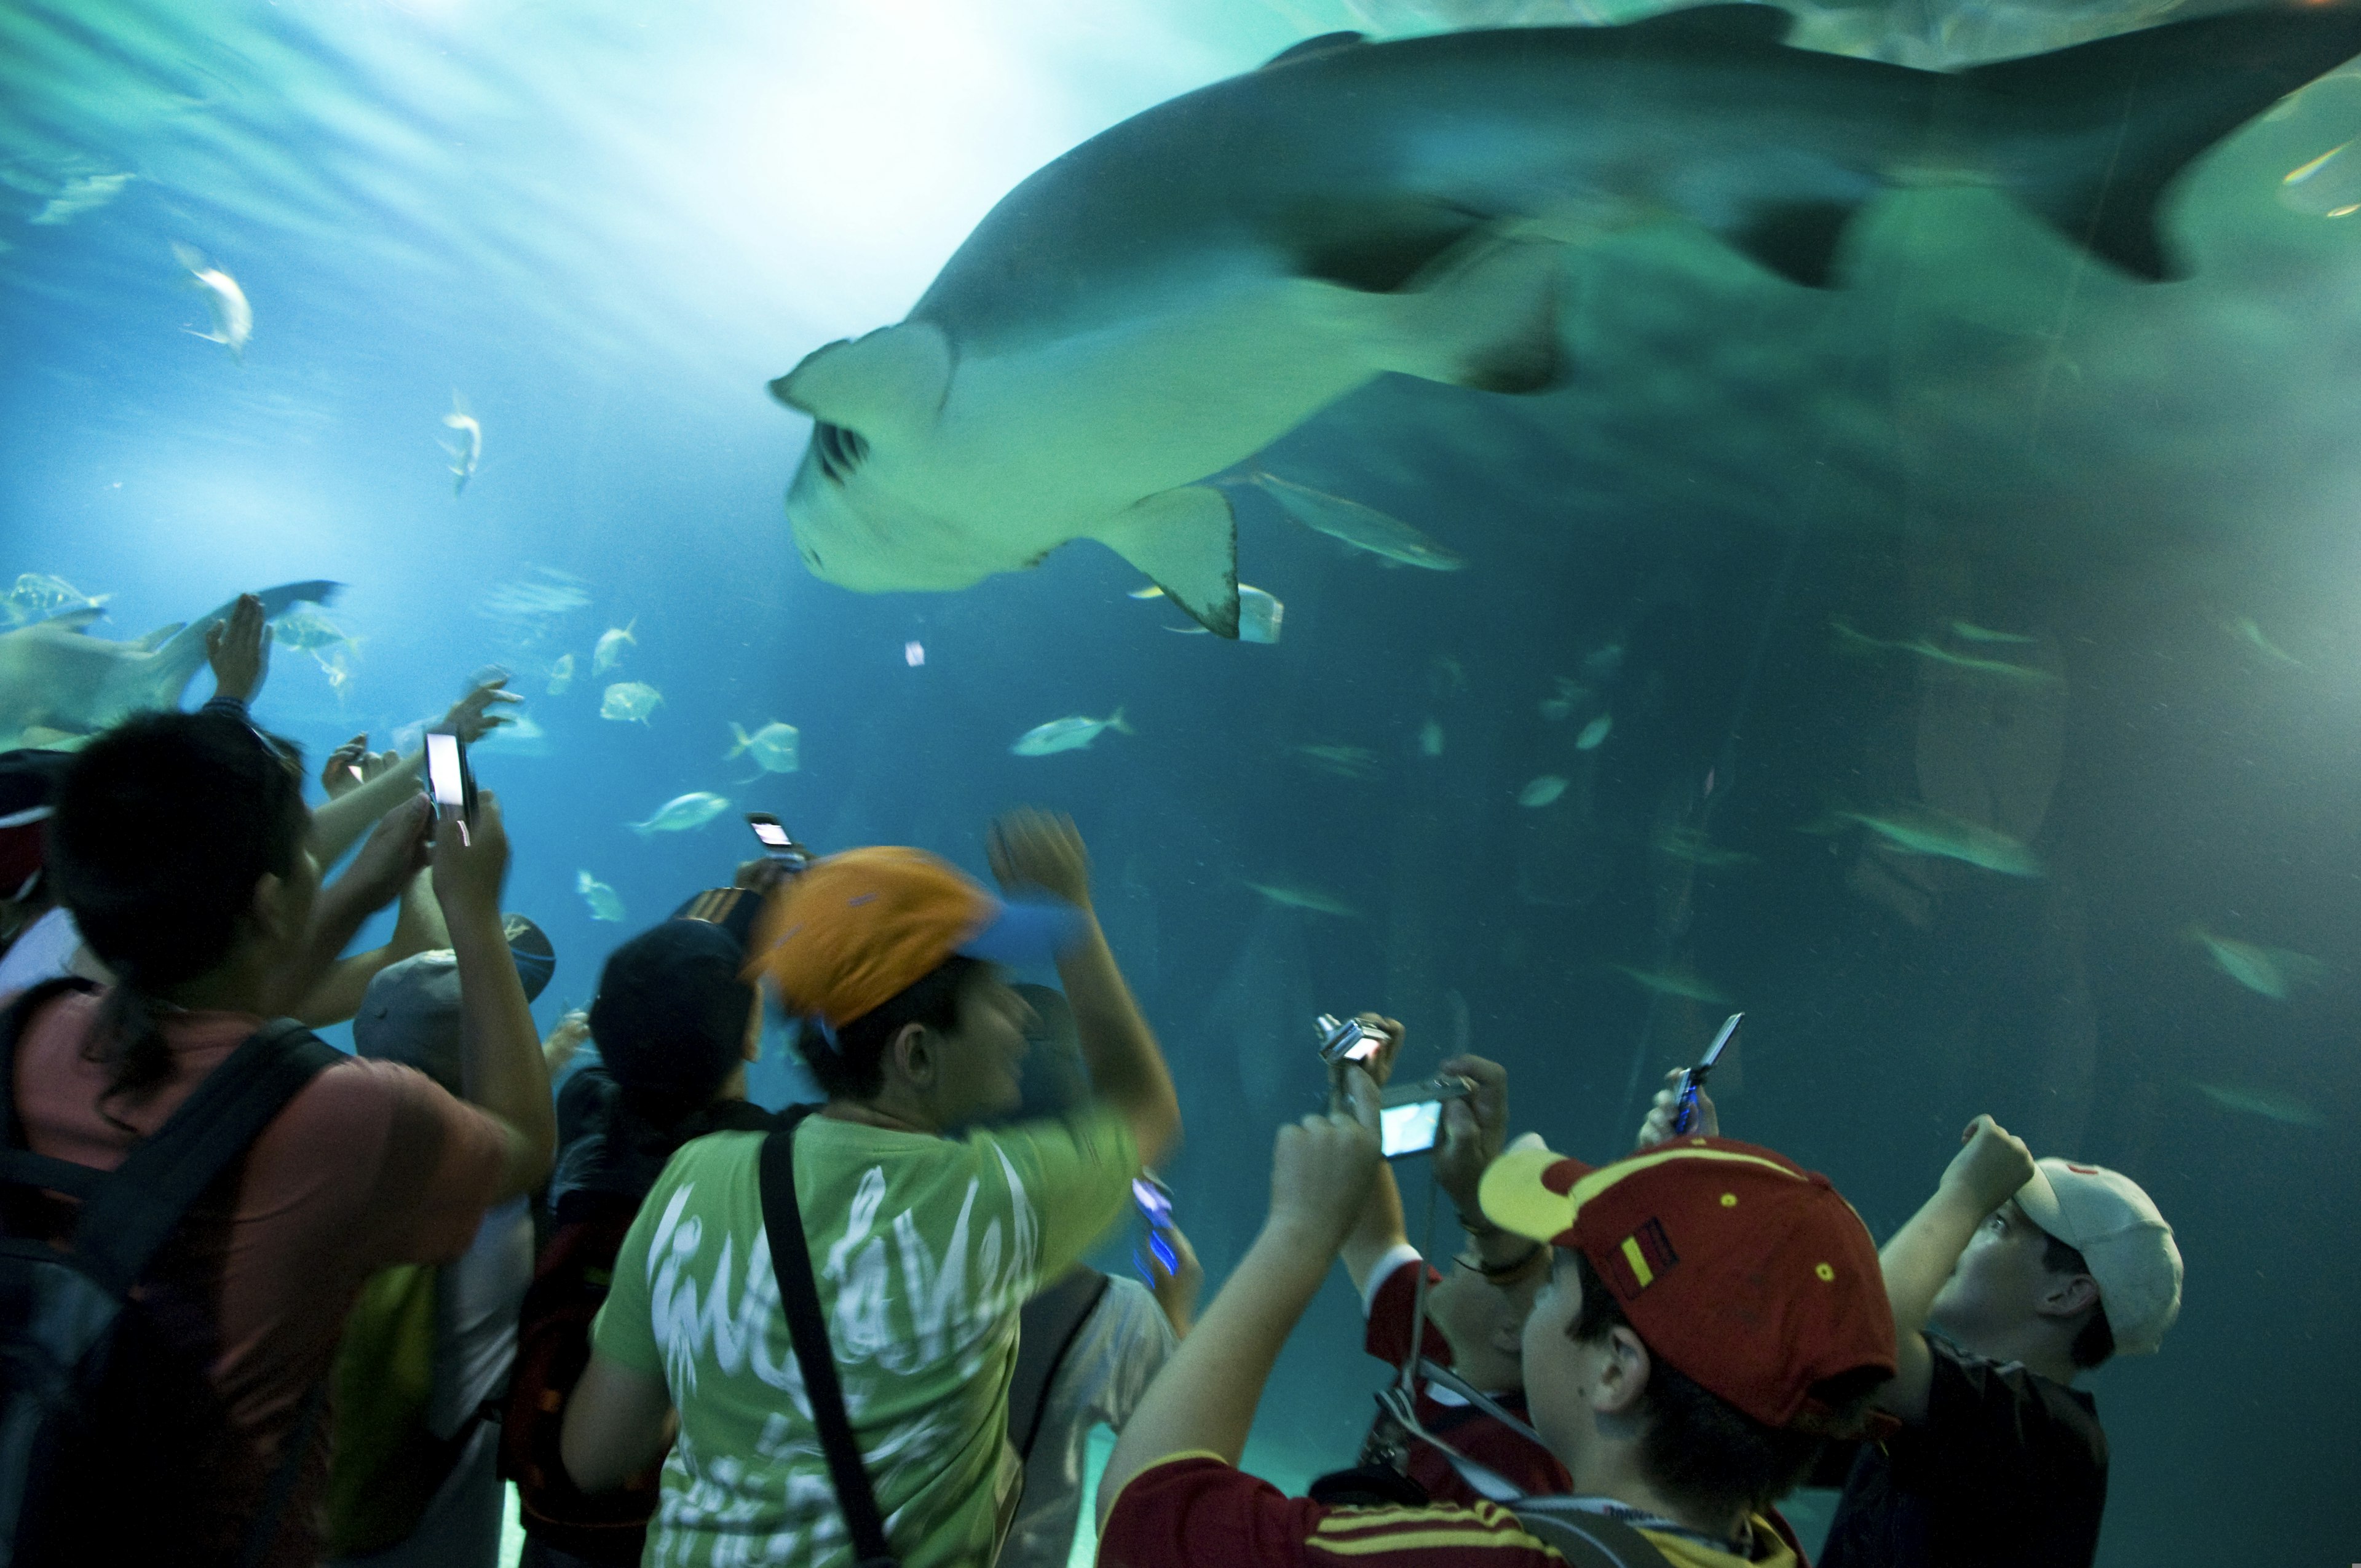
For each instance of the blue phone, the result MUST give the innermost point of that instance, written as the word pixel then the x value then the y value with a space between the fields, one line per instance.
pixel 1155 1202
pixel 1684 1115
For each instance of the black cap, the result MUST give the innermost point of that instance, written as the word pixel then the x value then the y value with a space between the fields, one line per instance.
pixel 670 1017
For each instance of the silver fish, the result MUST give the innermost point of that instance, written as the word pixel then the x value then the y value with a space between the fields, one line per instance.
pixel 630 701
pixel 605 903
pixel 1072 734
pixel 467 452
pixel 682 812
pixel 232 317
pixel 609 651
pixel 1305 898
pixel 778 748
pixel 1362 527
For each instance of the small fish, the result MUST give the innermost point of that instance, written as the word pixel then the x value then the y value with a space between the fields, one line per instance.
pixel 1362 527
pixel 36 596
pixel 1305 898
pixel 1068 734
pixel 467 452
pixel 1540 792
pixel 2266 1103
pixel 1594 734
pixel 305 626
pixel 1571 695
pixel 2245 629
pixel 1967 663
pixel 1259 613
pixel 517 735
pixel 1345 762
pixel 1690 845
pixel 1429 738
pixel 1923 831
pixel 232 317
pixel 609 652
pixel 1967 631
pixel 776 747
pixel 79 193
pixel 1680 982
pixel 2267 972
pixel 628 700
pixel 561 675
pixel 681 813
pixel 605 903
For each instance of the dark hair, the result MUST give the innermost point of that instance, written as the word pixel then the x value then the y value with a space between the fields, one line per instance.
pixel 2096 1342
pixel 855 1067
pixel 1700 1450
pixel 670 1017
pixel 163 825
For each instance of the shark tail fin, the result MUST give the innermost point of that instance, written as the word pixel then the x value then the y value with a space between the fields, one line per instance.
pixel 2146 104
pixel 1482 314
pixel 177 660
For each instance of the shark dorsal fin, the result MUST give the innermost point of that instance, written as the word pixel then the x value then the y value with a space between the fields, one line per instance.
pixel 1323 44
pixel 1738 24
pixel 894 379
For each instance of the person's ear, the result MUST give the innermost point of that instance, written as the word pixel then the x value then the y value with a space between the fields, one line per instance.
pixel 270 907
pixel 913 1053
pixel 1622 1373
pixel 2068 1294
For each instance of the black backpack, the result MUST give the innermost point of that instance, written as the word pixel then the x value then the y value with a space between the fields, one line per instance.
pixel 99 1403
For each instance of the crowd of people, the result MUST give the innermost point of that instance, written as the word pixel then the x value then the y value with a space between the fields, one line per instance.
pixel 311 1306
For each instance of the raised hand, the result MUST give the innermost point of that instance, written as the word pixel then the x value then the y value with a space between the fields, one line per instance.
pixel 240 650
pixel 1041 849
pixel 477 713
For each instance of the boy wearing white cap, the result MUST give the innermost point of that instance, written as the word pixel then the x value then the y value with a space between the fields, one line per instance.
pixel 2029 1274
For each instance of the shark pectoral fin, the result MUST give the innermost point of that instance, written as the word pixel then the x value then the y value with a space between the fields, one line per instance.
pixel 1318 45
pixel 1186 540
pixel 894 379
pixel 1796 239
pixel 1483 315
pixel 158 637
pixel 1743 23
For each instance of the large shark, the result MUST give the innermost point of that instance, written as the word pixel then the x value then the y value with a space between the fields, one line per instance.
pixel 1165 300
pixel 59 684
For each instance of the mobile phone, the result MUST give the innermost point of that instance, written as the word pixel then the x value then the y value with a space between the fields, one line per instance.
pixel 776 841
pixel 1410 1117
pixel 1684 1112
pixel 1343 1040
pixel 1155 1202
pixel 449 780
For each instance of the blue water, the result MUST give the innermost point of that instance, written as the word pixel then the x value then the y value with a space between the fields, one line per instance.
pixel 609 228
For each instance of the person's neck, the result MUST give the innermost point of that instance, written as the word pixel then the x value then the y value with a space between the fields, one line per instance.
pixel 240 985
pixel 886 1111
pixel 1615 1473
pixel 2036 1345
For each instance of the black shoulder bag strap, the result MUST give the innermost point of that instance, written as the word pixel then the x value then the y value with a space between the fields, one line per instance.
pixel 1053 1320
pixel 783 1222
pixel 1587 1540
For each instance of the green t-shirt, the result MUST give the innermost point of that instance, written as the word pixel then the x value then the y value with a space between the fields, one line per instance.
pixel 926 1250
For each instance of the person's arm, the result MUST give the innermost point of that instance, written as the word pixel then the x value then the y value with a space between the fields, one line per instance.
pixel 1981 1177
pixel 1034 849
pixel 501 1068
pixel 618 1422
pixel 1380 1229
pixel 1204 1399
pixel 418 927
pixel 337 825
pixel 395 852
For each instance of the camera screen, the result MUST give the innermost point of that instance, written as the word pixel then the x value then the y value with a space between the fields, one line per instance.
pixel 772 834
pixel 1365 1047
pixel 442 773
pixel 1409 1129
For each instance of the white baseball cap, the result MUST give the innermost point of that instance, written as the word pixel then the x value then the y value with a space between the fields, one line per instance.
pixel 2123 1241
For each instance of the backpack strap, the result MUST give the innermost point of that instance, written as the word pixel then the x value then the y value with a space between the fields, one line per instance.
pixel 129 1215
pixel 1053 1319
pixel 783 1222
pixel 1587 1540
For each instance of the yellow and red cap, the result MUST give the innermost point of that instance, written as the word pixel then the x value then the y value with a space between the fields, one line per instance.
pixel 1745 1272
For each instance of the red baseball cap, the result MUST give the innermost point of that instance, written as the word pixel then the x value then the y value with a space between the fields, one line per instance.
pixel 853 931
pixel 1745 1272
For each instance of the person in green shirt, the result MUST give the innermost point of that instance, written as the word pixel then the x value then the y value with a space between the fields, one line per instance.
pixel 925 1245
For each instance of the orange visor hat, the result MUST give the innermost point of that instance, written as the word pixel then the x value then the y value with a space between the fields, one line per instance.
pixel 854 930
pixel 1746 1272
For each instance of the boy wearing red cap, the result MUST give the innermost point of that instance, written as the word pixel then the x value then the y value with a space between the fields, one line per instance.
pixel 1713 1314
pixel 924 1245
